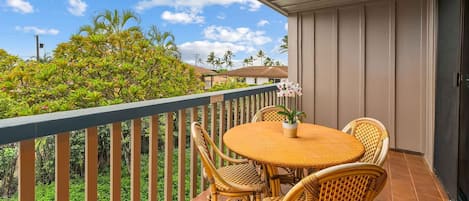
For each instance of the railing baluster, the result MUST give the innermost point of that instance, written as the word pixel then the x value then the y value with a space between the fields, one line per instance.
pixel 229 122
pixel 213 126
pixel 182 154
pixel 242 103
pixel 236 112
pixel 221 130
pixel 116 155
pixel 168 159
pixel 203 180
pixel 258 102
pixel 91 164
pixel 253 106
pixel 26 175
pixel 229 114
pixel 62 167
pixel 263 98
pixel 266 96
pixel 248 109
pixel 135 149
pixel 274 98
pixel 153 159
pixel 271 98
pixel 193 161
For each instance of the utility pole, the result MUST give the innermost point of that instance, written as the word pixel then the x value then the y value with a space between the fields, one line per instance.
pixel 196 59
pixel 38 45
pixel 37 48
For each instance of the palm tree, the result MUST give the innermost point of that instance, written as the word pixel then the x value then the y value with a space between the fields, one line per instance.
pixel 91 29
pixel 227 58
pixel 246 62
pixel 268 62
pixel 115 22
pixel 284 45
pixel 164 40
pixel 261 55
pixel 218 63
pixel 211 58
pixel 251 60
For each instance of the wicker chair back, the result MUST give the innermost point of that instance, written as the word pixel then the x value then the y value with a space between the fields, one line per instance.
pixel 354 181
pixel 268 113
pixel 374 137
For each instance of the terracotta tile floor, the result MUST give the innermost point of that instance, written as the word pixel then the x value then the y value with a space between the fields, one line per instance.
pixel 409 179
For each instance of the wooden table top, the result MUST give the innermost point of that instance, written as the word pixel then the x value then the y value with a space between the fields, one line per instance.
pixel 316 146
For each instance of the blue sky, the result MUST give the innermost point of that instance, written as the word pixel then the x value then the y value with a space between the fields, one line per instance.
pixel 200 26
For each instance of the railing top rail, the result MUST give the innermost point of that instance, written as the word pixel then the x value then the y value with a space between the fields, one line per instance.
pixel 29 127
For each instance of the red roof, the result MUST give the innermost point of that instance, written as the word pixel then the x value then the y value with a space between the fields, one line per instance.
pixel 203 71
pixel 259 71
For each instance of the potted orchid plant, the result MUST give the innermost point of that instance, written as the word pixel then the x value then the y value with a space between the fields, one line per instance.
pixel 288 90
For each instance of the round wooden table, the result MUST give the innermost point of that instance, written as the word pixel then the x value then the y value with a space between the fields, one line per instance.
pixel 316 147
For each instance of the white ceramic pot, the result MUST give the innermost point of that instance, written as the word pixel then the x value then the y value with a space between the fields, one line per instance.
pixel 290 130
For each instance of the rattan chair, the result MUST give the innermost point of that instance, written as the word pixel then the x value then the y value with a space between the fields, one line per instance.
pixel 352 181
pixel 268 113
pixel 373 135
pixel 240 180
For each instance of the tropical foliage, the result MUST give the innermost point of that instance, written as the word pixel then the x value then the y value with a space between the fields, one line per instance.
pixel 284 46
pixel 228 84
pixel 163 40
pixel 109 61
pixel 108 67
pixel 219 63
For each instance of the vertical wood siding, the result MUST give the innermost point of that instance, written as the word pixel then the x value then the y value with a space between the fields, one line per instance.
pixel 367 59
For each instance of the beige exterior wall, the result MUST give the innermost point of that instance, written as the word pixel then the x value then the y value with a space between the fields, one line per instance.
pixel 370 59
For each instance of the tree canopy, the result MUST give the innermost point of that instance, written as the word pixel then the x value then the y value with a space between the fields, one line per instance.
pixel 99 68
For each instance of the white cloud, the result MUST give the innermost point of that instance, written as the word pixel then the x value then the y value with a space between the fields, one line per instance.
pixel 203 48
pixel 221 16
pixel 254 5
pixel 286 26
pixel 185 17
pixel 20 6
pixel 262 23
pixel 77 7
pixel 241 35
pixel 37 30
pixel 142 5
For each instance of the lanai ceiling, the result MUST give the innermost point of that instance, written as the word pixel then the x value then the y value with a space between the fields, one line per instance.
pixel 294 6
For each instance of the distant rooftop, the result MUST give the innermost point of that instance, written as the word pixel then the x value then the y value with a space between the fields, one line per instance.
pixel 259 71
pixel 203 71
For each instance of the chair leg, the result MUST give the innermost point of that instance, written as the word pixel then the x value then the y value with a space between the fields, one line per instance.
pixel 258 197
pixel 213 193
pixel 213 197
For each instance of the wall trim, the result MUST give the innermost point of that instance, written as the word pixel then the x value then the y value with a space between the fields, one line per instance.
pixel 432 26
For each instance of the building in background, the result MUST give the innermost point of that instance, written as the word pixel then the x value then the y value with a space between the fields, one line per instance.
pixel 209 77
pixel 259 74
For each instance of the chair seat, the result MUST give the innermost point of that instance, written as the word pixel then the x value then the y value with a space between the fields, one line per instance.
pixel 273 199
pixel 242 176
